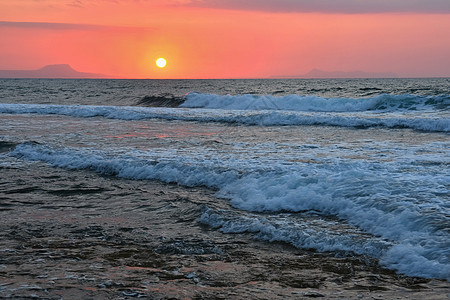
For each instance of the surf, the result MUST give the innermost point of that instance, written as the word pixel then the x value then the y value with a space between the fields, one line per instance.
pixel 380 200
pixel 424 121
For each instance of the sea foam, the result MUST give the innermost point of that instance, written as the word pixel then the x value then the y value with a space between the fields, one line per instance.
pixel 377 199
pixel 423 122
pixel 317 104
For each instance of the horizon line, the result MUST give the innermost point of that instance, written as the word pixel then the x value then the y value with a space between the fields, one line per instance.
pixel 75 74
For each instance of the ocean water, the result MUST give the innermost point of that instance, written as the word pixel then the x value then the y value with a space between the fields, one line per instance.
pixel 350 167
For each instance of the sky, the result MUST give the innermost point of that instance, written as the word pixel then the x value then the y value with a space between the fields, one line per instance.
pixel 227 38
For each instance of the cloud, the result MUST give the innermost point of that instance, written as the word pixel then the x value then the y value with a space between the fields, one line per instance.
pixel 331 6
pixel 66 26
pixel 51 26
pixel 76 3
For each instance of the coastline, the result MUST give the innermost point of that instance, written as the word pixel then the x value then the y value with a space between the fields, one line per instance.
pixel 75 234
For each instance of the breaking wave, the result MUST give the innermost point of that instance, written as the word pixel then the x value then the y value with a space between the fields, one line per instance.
pixel 317 104
pixel 409 221
pixel 421 121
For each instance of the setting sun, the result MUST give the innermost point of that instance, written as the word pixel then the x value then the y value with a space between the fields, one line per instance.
pixel 161 62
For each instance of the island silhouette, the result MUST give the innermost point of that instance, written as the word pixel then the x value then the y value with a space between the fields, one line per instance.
pixel 320 74
pixel 51 71
pixel 66 71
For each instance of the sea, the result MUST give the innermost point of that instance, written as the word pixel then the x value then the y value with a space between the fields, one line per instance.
pixel 352 167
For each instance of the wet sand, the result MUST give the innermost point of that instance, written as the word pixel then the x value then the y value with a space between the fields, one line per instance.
pixel 78 235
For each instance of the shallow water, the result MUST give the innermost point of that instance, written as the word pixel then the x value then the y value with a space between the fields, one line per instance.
pixel 383 176
pixel 74 234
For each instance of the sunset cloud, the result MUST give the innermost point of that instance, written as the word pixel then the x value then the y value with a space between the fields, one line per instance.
pixel 50 26
pixel 331 6
pixel 66 26
pixel 292 6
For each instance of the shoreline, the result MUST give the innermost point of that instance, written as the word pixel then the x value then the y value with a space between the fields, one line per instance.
pixel 75 234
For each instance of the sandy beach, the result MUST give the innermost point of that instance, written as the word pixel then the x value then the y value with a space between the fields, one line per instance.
pixel 78 235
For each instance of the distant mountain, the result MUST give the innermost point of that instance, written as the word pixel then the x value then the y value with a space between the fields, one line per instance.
pixel 50 71
pixel 319 74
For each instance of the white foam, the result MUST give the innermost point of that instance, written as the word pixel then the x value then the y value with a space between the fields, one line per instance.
pixel 317 234
pixel 407 209
pixel 316 104
pixel 423 121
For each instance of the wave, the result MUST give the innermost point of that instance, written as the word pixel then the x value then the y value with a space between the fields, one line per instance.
pixel 305 232
pixel 163 100
pixel 408 220
pixel 253 117
pixel 317 104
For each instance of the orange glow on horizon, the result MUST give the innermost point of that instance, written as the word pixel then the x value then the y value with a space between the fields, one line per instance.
pixel 125 38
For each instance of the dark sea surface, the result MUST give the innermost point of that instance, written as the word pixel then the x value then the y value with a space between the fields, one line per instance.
pixel 354 170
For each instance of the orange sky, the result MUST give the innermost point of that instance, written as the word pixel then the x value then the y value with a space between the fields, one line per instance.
pixel 220 39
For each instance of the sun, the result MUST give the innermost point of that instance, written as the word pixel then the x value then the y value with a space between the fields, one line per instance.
pixel 161 62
